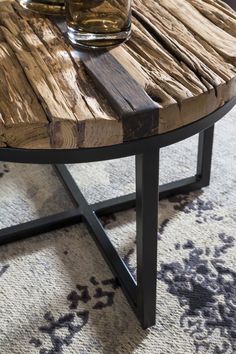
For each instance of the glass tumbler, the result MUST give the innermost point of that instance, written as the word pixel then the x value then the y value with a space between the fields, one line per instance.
pixel 98 23
pixel 45 7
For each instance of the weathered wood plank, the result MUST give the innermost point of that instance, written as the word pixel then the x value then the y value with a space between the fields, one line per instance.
pixel 222 18
pixel 184 49
pixel 185 45
pixel 137 111
pixel 169 109
pixel 221 41
pixel 19 106
pixel 96 121
pixel 52 74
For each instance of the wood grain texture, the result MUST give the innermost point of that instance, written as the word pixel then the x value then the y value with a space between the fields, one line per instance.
pixel 137 111
pixel 178 66
pixel 221 41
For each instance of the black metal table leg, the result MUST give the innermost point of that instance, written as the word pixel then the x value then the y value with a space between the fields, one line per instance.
pixel 115 262
pixel 147 175
pixel 205 147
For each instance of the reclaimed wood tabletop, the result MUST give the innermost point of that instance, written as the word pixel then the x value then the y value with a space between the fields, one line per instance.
pixel 178 66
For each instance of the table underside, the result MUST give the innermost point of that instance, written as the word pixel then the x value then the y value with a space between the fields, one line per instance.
pixel 179 66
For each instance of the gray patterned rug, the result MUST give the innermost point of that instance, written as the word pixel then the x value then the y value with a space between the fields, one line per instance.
pixel 58 296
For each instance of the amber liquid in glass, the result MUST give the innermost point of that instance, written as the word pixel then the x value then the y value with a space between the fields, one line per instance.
pixel 46 7
pixel 98 23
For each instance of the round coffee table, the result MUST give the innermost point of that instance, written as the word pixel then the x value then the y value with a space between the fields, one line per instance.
pixel 142 121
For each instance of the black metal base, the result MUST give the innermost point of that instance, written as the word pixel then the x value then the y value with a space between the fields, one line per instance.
pixel 141 293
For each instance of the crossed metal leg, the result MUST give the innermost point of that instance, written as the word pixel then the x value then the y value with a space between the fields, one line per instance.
pixel 141 293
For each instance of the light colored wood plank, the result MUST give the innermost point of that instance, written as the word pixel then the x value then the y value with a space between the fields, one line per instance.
pixel 195 61
pixel 23 121
pixel 222 18
pixel 51 72
pixel 221 41
pixel 185 45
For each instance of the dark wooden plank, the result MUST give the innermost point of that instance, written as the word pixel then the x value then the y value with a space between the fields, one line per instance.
pixel 138 112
